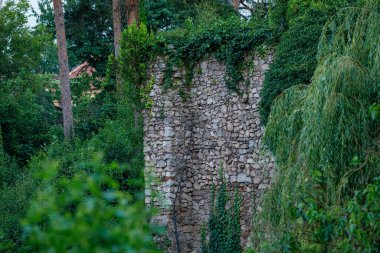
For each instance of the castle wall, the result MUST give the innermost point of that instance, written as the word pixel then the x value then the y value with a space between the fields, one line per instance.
pixel 189 133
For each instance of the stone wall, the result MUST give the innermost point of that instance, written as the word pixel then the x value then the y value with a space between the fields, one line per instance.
pixel 188 136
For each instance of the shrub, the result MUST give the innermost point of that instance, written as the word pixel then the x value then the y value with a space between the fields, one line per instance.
pixel 124 145
pixel 14 202
pixel 16 189
pixel 86 212
pixel 27 115
pixel 92 112
pixel 165 14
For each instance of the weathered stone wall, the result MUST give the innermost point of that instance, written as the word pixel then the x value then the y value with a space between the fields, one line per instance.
pixel 188 136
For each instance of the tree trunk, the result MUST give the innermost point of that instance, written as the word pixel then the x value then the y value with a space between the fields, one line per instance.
pixel 67 109
pixel 116 25
pixel 236 4
pixel 133 12
pixel 116 18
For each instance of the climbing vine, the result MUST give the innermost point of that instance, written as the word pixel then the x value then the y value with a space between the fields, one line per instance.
pixel 229 40
pixel 224 221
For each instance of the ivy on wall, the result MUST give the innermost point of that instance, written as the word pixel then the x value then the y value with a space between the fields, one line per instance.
pixel 224 221
pixel 228 39
pixel 295 59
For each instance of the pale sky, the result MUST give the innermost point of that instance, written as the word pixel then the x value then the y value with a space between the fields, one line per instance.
pixel 34 5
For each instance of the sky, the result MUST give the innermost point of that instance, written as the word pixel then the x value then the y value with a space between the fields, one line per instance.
pixel 31 19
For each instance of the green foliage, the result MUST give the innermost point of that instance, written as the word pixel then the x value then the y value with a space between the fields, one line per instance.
pixel 122 144
pixel 374 111
pixel 136 50
pixel 326 145
pixel 87 212
pixel 16 189
pixel 27 115
pixel 105 123
pixel 88 29
pixel 277 16
pixel 297 8
pixel 171 14
pixel 295 59
pixel 229 39
pixel 224 222
pixel 122 139
pixel 28 118
pixel 147 100
pixel 20 48
pixel 26 108
pixel 300 24
pixel 92 111
pixel 49 59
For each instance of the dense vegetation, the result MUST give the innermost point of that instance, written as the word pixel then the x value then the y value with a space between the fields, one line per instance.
pixel 326 194
pixel 296 54
pixel 320 104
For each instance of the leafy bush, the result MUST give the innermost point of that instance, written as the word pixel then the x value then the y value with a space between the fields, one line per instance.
pixel 224 222
pixel 16 189
pixel 86 212
pixel 326 146
pixel 124 145
pixel 14 202
pixel 92 111
pixel 27 115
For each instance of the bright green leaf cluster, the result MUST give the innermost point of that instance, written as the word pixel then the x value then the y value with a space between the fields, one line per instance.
pixel 87 212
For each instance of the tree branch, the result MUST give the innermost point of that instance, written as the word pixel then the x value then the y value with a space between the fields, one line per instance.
pixel 245 6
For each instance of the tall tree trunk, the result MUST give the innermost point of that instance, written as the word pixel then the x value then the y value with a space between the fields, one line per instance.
pixel 67 109
pixel 236 4
pixel 133 12
pixel 116 25
pixel 116 18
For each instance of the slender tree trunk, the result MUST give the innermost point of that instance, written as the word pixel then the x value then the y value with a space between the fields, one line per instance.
pixel 67 109
pixel 116 18
pixel 116 25
pixel 133 12
pixel 236 4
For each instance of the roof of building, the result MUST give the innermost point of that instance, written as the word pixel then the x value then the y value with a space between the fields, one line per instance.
pixel 81 69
